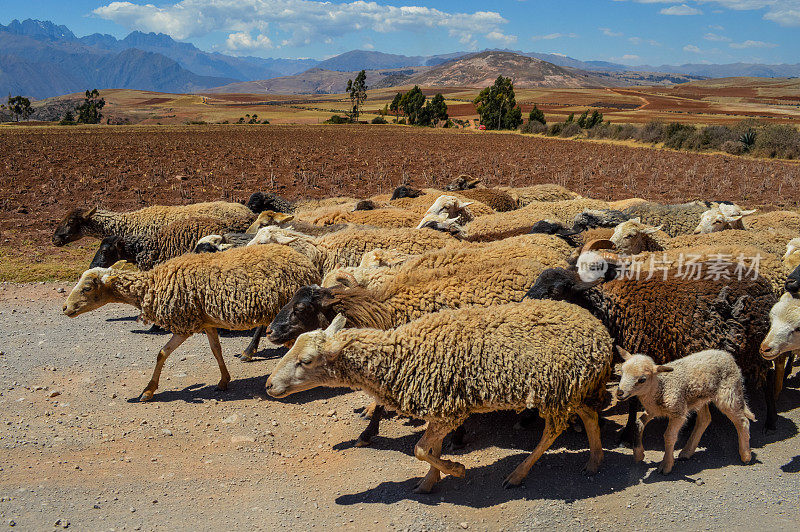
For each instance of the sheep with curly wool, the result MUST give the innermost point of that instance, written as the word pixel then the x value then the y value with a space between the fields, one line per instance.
pixel 680 219
pixel 375 270
pixel 779 221
pixel 538 193
pixel 263 201
pixel 279 219
pixel 497 200
pixel 146 251
pixel 424 204
pixel 237 290
pixel 443 367
pixel 97 223
pixel 682 386
pixel 693 314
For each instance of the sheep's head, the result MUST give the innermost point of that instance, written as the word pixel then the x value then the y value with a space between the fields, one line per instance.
pixel 90 293
pixel 378 258
pixel 212 244
pixel 266 218
pixel 632 237
pixel 638 374
pixel 591 218
pixel 792 247
pixel 343 276
pixel 305 365
pixel 275 235
pixel 112 249
pixel 551 227
pixel 450 205
pixel 310 308
pixel 720 217
pixel 784 328
pixel 263 201
pixel 405 191
pixel 365 205
pixel 792 284
pixel 462 182
pixel 441 222
pixel 560 284
pixel 72 226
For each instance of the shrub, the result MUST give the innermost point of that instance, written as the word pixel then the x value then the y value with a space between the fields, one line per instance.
pixel 379 120
pixel 555 129
pixel 571 130
pixel 713 137
pixel 336 119
pixel 624 131
pixel 537 115
pixel 603 131
pixel 534 127
pixel 652 132
pixel 676 135
pixel 401 121
pixel 777 141
pixel 734 147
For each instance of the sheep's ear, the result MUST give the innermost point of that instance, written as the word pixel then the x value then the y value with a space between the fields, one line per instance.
pixel 90 212
pixel 336 325
pixel 462 204
pixel 749 212
pixel 283 239
pixel 664 369
pixel 623 353
pixel 651 230
pixel 283 218
pixel 638 219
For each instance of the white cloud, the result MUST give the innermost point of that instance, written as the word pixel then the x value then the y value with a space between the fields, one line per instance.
pixel 551 36
pixel 692 48
pixel 716 38
pixel 782 12
pixel 301 21
pixel 638 40
pixel 244 41
pixel 609 33
pixel 502 38
pixel 752 44
pixel 681 10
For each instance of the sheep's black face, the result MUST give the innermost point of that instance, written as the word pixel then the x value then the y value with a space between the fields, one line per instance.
pixel 205 247
pixel 267 201
pixel 303 313
pixel 554 283
pixel 111 250
pixel 404 191
pixel 365 205
pixel 543 227
pixel 71 227
pixel 792 284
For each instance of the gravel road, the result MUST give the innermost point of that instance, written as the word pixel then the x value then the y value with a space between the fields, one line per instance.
pixel 79 452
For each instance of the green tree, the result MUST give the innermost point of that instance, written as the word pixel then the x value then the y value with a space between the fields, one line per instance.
pixel 89 110
pixel 20 107
pixel 570 118
pixel 437 109
pixel 412 104
pixel 395 105
pixel 497 105
pixel 595 120
pixel 358 93
pixel 69 119
pixel 582 120
pixel 537 115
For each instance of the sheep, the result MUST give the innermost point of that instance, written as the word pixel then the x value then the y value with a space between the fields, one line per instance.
pixel 278 219
pixel 146 251
pixel 632 237
pixel 506 224
pixel 383 217
pixel 625 203
pixel 676 220
pixel 422 204
pixel 462 182
pixel 783 337
pixel 539 193
pixel 692 315
pixel 721 217
pixel 686 385
pixel 497 199
pixel 791 259
pixel 546 355
pixel 405 191
pixel 551 227
pixel 217 243
pixel 792 285
pixel 781 221
pixel 376 268
pixel 590 219
pixel 262 201
pixel 365 205
pixel 96 223
pixel 237 290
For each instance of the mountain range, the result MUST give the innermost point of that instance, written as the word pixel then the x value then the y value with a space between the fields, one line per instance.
pixel 41 59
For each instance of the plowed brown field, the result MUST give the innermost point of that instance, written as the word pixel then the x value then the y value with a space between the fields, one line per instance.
pixel 46 171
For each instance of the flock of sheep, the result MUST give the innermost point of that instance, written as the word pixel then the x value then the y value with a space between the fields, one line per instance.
pixel 441 304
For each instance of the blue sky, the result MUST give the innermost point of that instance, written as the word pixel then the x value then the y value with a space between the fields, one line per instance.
pixel 626 31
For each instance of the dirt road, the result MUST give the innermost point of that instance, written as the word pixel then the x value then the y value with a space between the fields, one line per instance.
pixel 78 450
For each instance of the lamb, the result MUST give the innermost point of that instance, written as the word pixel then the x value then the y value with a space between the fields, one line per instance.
pixel 591 219
pixel 376 269
pixel 693 315
pixel 721 217
pixel 546 355
pixel 686 385
pixel 784 333
pixel 267 218
pixel 145 251
pixel 96 223
pixel 262 201
pixel 675 220
pixel 237 290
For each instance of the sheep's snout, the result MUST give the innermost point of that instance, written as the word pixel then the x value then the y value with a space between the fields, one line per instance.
pixel 621 395
pixel 767 352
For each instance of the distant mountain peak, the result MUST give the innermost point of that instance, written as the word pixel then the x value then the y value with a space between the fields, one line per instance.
pixel 39 29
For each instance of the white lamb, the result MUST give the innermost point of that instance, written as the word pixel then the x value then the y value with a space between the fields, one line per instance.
pixel 687 384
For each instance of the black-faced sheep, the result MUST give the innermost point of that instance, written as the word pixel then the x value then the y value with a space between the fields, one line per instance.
pixel 267 201
pixel 96 223
pixel 237 290
pixel 547 355
pixel 669 316
pixel 405 191
pixel 687 385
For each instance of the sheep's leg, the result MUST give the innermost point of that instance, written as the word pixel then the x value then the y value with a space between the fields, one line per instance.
pixel 252 347
pixel 213 340
pixel 638 447
pixel 670 437
pixel 628 434
pixel 742 425
pixel 789 363
pixel 172 345
pixel 780 374
pixel 428 449
pixel 589 418
pixel 371 431
pixel 769 398
pixel 700 425
pixel 548 437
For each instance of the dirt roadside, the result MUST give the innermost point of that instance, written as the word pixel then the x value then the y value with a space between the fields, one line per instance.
pixel 78 449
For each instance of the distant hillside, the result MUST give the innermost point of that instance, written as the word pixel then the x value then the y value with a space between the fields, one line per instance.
pixel 356 60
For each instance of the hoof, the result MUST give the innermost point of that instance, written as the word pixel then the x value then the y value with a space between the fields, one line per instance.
pixel 222 386
pixel 685 455
pixel 244 357
pixel 458 470
pixel 146 396
pixel 591 469
pixel 746 458
pixel 363 443
pixel 664 469
pixel 510 483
